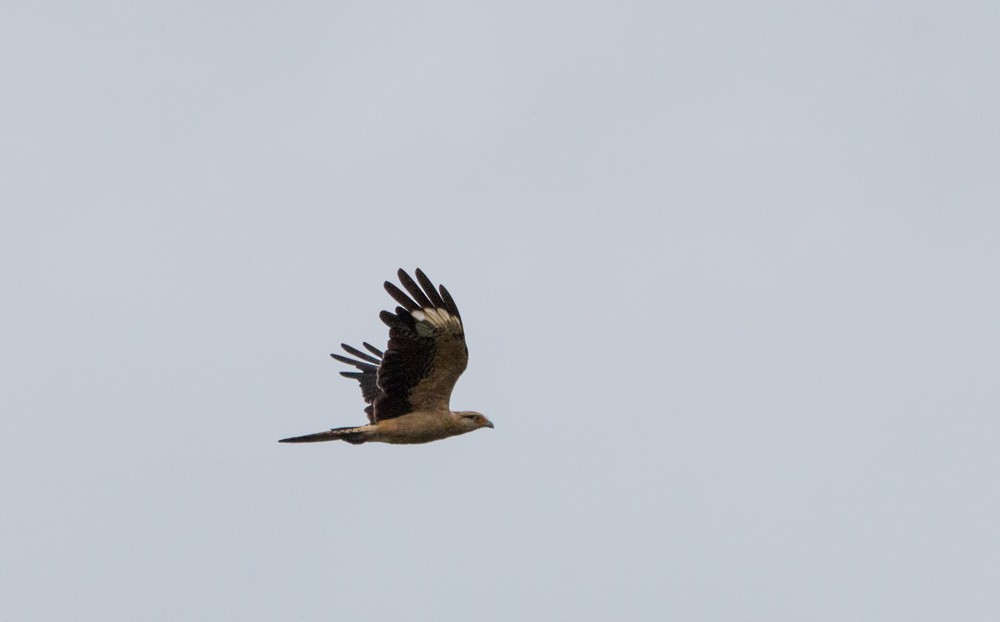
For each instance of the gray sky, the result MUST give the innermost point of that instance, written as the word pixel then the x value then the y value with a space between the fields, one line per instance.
pixel 729 273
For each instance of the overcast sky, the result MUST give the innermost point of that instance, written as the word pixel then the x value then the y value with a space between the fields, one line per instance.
pixel 729 273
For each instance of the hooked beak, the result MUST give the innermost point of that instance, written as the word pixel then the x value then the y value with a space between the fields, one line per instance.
pixel 489 424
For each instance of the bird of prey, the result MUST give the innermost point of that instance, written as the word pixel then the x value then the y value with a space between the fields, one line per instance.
pixel 408 387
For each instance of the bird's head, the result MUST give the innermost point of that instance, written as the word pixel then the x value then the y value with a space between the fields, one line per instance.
pixel 471 420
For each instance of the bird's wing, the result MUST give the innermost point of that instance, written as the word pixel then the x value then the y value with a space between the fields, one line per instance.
pixel 367 366
pixel 426 352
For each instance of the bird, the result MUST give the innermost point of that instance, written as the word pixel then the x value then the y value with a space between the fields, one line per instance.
pixel 408 386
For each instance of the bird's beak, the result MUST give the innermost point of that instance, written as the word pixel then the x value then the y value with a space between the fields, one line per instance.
pixel 489 424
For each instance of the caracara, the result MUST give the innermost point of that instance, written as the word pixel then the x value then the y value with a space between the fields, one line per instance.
pixel 408 387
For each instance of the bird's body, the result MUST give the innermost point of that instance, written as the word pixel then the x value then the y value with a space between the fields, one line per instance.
pixel 408 387
pixel 422 426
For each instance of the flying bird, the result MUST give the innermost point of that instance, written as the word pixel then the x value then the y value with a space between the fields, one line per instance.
pixel 408 387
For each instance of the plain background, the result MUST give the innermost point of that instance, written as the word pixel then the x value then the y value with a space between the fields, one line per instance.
pixel 729 272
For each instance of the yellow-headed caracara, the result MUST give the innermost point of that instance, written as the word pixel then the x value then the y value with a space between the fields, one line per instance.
pixel 408 387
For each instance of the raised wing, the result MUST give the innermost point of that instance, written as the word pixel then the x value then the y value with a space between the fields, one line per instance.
pixel 426 352
pixel 367 366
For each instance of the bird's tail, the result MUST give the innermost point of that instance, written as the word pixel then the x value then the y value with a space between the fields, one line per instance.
pixel 354 436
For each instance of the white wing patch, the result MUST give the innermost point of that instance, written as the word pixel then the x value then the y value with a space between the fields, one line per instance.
pixel 428 319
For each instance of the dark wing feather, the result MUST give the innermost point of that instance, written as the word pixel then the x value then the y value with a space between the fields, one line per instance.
pixel 428 286
pixel 399 296
pixel 366 375
pixel 361 355
pixel 449 303
pixel 426 352
pixel 422 300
